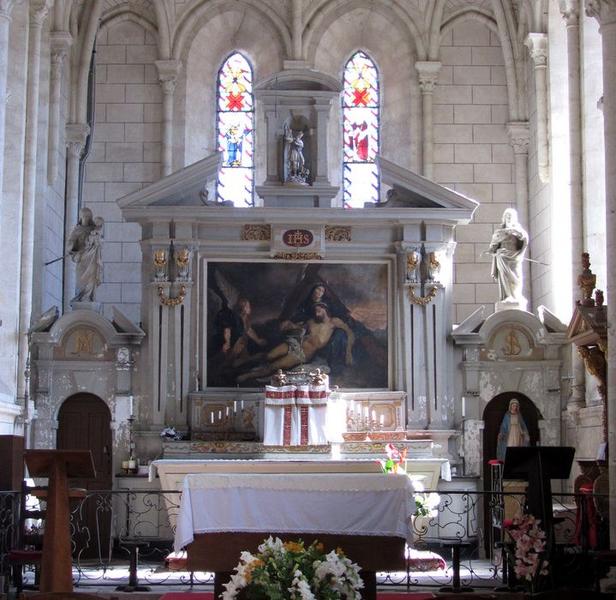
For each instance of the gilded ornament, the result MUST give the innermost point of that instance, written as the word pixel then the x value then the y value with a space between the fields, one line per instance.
pixel 512 344
pixel 423 300
pixel 338 233
pixel 298 256
pixel 182 260
pixel 256 233
pixel 167 300
pixel 434 265
pixel 586 281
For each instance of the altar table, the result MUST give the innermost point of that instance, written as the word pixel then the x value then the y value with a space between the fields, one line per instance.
pixel 368 515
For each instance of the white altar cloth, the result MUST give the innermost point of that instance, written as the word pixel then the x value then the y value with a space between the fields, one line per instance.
pixel 349 504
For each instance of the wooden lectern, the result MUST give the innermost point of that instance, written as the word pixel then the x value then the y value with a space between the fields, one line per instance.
pixel 58 466
pixel 538 465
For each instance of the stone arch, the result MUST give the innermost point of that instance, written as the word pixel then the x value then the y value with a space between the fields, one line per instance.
pixel 164 34
pixel 469 13
pixel 124 14
pixel 194 19
pixel 492 23
pixel 494 412
pixel 395 57
pixel 206 52
pixel 325 14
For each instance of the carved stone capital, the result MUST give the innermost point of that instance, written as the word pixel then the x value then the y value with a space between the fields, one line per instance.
pixel 519 136
pixel 537 43
pixel 76 135
pixel 570 10
pixel 6 7
pixel 602 10
pixel 60 42
pixel 168 71
pixel 39 10
pixel 427 73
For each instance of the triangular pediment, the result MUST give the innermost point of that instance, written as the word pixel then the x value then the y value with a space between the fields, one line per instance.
pixel 182 188
pixel 410 190
pixel 588 325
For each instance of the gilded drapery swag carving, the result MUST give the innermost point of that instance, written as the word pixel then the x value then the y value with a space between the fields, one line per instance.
pixel 167 300
pixel 338 233
pixel 298 256
pixel 422 300
pixel 256 233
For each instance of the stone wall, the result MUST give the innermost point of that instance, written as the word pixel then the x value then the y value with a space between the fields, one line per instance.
pixel 10 210
pixel 472 152
pixel 125 153
pixel 50 214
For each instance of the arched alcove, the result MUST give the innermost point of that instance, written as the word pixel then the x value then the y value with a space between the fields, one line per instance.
pixel 84 423
pixel 493 416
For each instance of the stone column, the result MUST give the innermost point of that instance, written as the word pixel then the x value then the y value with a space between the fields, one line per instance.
pixel 39 9
pixel 323 110
pixel 537 43
pixel 427 72
pixel 605 12
pixel 519 138
pixel 297 27
pixel 168 71
pixel 6 6
pixel 570 10
pixel 60 44
pixel 76 135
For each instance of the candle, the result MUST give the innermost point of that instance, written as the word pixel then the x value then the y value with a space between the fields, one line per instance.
pixel 463 406
pixel 374 415
pixel 212 417
pixel 226 411
pixel 235 407
pixel 130 405
pixel 382 420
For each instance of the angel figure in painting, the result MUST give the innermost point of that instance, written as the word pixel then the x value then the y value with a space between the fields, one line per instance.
pixel 513 430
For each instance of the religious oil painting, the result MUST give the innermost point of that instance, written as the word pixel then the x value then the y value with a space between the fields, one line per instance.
pixel 265 316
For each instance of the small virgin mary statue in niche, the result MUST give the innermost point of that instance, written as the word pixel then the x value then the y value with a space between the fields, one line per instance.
pixel 513 430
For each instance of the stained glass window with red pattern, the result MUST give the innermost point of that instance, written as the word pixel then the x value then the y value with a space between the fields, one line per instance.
pixel 235 131
pixel 360 131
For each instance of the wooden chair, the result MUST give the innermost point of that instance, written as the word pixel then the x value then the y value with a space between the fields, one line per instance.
pixel 29 538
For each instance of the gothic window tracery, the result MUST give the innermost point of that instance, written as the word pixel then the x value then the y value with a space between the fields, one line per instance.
pixel 235 131
pixel 360 131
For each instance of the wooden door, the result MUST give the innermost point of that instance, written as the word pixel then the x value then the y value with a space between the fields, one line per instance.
pixel 84 423
pixel 492 417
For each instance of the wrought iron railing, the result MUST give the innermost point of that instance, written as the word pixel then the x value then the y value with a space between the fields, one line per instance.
pixel 107 526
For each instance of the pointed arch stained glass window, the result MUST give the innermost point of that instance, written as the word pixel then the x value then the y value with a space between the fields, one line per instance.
pixel 360 124
pixel 235 131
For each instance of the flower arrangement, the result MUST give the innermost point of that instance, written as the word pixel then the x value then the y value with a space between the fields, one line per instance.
pixel 290 571
pixel 529 541
pixel 395 462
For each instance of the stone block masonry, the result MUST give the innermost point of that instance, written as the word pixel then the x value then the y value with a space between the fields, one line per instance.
pixel 126 153
pixel 472 153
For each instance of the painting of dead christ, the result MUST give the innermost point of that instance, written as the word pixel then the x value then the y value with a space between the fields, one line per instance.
pixel 266 316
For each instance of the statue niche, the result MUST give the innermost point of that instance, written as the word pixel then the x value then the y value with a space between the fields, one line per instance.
pixel 296 142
